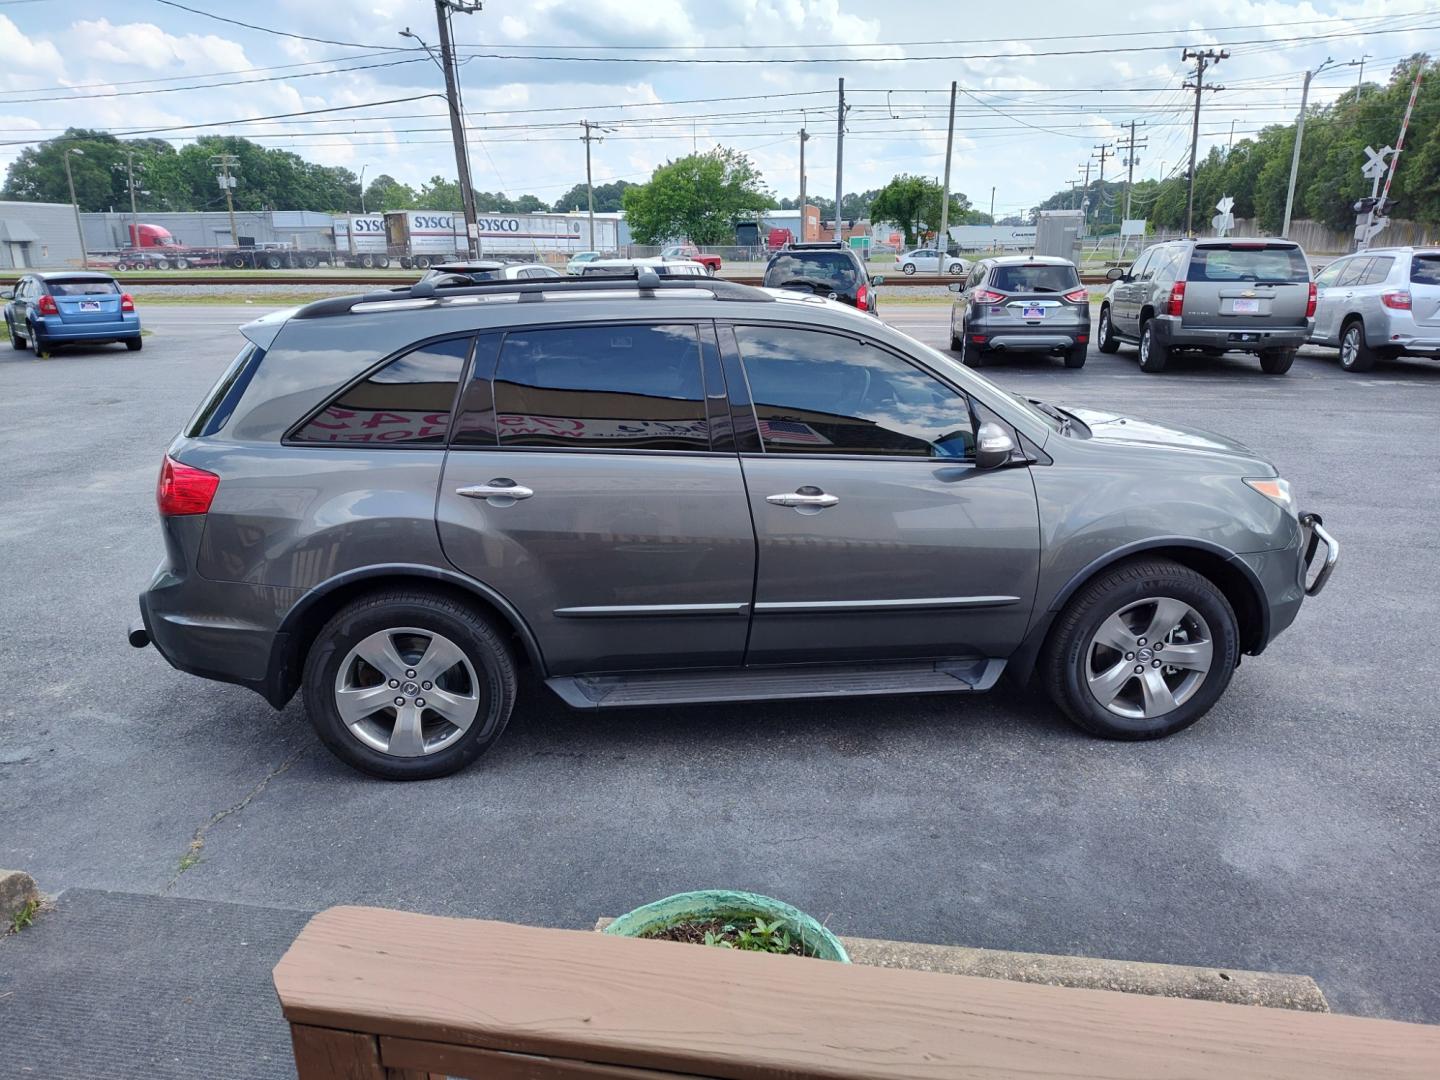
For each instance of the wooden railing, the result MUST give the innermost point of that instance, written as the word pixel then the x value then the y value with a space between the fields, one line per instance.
pixel 387 995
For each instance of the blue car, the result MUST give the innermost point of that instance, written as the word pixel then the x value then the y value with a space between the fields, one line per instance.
pixel 70 307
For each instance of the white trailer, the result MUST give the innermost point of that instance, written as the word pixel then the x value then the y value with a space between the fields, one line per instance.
pixel 422 237
pixel 360 240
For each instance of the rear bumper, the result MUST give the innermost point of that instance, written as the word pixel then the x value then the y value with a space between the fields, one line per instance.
pixel 1171 332
pixel 56 329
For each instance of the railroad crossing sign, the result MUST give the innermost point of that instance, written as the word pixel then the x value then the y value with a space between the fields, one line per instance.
pixel 1375 165
pixel 1224 221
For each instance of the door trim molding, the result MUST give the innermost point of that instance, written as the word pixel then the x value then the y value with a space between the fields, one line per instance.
pixel 924 603
pixel 625 611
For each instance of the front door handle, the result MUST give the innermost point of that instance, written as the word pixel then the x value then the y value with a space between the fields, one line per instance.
pixel 806 500
pixel 501 491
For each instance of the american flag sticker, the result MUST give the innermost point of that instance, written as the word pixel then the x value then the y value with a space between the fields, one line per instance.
pixel 791 431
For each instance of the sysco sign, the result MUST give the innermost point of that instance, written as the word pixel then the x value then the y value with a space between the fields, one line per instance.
pixel 432 223
pixel 367 234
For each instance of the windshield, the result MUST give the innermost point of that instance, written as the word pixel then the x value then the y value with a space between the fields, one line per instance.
pixel 1252 262
pixel 830 268
pixel 1034 277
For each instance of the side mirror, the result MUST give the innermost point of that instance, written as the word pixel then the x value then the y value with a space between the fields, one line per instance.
pixel 8 294
pixel 1116 273
pixel 878 279
pixel 993 445
pixel 956 286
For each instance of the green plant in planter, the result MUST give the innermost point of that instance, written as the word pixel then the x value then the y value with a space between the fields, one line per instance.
pixel 771 937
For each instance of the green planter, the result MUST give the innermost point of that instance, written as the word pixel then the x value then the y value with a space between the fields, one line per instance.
pixel 736 907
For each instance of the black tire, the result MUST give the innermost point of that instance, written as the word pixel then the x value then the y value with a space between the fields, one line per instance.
pixel 1105 339
pixel 484 648
pixel 274 262
pixel 18 341
pixel 367 261
pixel 182 264
pixel 1075 358
pixel 971 355
pixel 908 269
pixel 135 344
pixel 956 269
pixel 309 262
pixel 1276 361
pixel 39 344
pixel 956 344
pixel 236 262
pixel 1154 355
pixel 1067 661
pixel 162 264
pixel 1361 357
pixel 421 262
pixel 382 261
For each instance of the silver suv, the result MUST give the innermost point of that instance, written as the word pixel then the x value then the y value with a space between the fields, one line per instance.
pixel 1212 296
pixel 658 492
pixel 1384 302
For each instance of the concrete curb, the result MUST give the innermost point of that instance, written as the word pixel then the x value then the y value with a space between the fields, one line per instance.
pixel 1272 990
pixel 17 891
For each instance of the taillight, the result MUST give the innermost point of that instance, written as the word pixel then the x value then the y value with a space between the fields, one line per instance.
pixel 47 305
pixel 1400 300
pixel 184 489
pixel 985 296
pixel 1078 296
pixel 127 302
pixel 862 298
pixel 1310 303
pixel 1176 303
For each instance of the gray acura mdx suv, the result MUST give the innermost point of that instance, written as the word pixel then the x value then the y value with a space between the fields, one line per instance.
pixel 659 492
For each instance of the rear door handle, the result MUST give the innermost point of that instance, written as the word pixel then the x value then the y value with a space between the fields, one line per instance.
pixel 498 492
pixel 804 499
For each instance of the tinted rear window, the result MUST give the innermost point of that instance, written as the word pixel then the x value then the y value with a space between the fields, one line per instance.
pixel 1272 262
pixel 1036 278
pixel 83 288
pixel 830 268
pixel 1425 270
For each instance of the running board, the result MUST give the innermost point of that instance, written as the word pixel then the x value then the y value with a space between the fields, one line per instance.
pixel 776 683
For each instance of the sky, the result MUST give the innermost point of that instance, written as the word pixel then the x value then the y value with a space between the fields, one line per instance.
pixel 1042 88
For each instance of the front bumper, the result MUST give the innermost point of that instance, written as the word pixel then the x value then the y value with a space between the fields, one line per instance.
pixel 1171 332
pixel 1314 534
pixel 56 329
pixel 1285 576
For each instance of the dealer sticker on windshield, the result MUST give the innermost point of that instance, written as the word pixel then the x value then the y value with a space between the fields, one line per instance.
pixel 1033 311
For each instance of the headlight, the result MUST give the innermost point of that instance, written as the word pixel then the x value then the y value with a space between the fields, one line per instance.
pixel 1275 489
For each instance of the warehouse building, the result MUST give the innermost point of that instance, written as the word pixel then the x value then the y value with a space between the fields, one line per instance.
pixel 36 235
pixel 291 228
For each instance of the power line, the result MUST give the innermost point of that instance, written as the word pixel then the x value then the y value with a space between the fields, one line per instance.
pixel 279 33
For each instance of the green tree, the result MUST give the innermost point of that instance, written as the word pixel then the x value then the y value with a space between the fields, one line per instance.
pixel 386 193
pixel 913 203
pixel 699 197
pixel 608 198
pixel 437 193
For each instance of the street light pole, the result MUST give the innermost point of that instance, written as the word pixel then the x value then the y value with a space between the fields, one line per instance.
pixel 804 138
pixel 943 240
pixel 362 186
pixel 1299 137
pixel 75 204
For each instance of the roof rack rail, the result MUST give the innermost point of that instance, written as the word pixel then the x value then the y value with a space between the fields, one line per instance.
pixel 644 281
pixel 818 245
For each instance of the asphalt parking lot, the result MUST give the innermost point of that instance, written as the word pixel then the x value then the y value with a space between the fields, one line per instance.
pixel 1293 829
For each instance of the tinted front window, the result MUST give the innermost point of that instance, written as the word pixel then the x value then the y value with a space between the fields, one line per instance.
pixel 1425 270
pixel 1034 278
pixel 406 403
pixel 1378 270
pixel 1354 272
pixel 1330 274
pixel 83 288
pixel 1253 262
pixel 602 387
pixel 832 269
pixel 828 394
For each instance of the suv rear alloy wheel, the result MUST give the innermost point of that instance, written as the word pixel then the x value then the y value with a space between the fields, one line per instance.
pixel 1355 354
pixel 1276 361
pixel 1105 339
pixel 1153 355
pixel 408 685
pixel 1143 651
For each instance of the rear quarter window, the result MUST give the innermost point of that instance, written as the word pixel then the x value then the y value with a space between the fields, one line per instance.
pixel 1257 262
pixel 1425 270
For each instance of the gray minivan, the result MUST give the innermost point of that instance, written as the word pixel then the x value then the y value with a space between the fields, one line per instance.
pixel 661 491
pixel 1380 303
pixel 1211 296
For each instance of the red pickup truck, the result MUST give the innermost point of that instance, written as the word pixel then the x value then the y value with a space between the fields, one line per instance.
pixel 692 253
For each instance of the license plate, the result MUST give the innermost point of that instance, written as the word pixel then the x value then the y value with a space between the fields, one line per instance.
pixel 89 305
pixel 1033 311
pixel 1245 307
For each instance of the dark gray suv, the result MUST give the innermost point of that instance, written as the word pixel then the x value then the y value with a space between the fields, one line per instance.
pixel 658 492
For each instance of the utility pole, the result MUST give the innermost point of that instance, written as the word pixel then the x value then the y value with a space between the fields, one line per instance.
pixel 1360 79
pixel 226 162
pixel 1130 161
pixel 1299 137
pixel 134 214
pixel 992 205
pixel 1203 58
pixel 75 205
pixel 1073 185
pixel 1085 200
pixel 804 138
pixel 587 139
pixel 944 237
pixel 839 158
pixel 1105 152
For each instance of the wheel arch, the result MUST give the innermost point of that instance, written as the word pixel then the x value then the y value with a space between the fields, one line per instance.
pixel 314 609
pixel 1217 564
